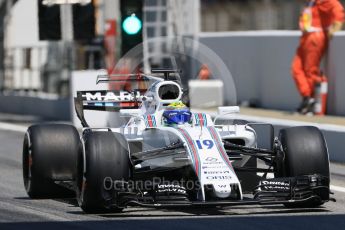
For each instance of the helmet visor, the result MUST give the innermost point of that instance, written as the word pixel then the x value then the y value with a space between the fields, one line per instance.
pixel 177 116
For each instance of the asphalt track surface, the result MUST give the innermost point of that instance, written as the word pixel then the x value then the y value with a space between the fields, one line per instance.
pixel 17 211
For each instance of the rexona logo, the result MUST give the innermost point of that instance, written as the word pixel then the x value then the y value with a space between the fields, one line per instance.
pixel 112 96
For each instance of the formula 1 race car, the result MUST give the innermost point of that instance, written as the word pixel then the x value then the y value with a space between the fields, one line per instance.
pixel 167 156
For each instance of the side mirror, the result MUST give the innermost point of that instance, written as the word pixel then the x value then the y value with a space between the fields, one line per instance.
pixel 130 112
pixel 225 110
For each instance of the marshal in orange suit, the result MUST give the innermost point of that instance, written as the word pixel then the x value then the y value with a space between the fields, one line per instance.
pixel 319 20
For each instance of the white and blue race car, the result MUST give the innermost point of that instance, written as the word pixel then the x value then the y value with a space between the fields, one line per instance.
pixel 166 156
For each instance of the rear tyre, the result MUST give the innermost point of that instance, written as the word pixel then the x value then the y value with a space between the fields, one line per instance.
pixel 49 154
pixel 106 160
pixel 306 153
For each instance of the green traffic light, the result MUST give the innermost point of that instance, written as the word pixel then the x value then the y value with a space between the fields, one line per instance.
pixel 132 25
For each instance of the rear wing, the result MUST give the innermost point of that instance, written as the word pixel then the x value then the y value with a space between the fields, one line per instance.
pixel 115 100
pixel 106 100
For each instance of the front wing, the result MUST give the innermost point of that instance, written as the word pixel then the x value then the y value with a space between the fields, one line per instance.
pixel 287 190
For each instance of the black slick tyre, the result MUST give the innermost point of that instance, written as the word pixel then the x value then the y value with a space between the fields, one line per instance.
pixel 306 153
pixel 49 154
pixel 104 161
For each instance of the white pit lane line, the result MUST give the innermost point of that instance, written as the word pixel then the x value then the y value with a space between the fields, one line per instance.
pixel 22 129
pixel 337 188
pixel 12 127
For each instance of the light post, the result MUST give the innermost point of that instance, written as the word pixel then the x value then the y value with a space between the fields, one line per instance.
pixel 67 38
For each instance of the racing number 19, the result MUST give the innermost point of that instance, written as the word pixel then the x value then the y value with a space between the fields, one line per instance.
pixel 208 143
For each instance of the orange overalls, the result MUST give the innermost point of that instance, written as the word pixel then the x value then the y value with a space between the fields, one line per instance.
pixel 316 18
pixel 204 73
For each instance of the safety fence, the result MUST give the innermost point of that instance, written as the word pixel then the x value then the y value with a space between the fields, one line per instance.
pixel 46 68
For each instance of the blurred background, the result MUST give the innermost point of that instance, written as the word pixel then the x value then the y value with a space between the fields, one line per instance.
pixel 51 48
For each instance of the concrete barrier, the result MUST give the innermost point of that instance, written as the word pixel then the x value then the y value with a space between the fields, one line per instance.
pixel 205 93
pixel 51 109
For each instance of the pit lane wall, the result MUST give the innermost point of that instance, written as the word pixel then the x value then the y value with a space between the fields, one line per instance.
pixel 41 105
pixel 52 107
pixel 260 61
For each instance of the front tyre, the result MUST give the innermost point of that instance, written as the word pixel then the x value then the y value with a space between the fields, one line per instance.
pixel 104 161
pixel 306 153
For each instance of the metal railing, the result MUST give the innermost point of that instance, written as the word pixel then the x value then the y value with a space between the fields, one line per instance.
pixel 42 69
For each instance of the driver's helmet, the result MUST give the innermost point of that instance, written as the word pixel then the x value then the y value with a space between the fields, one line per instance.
pixel 176 113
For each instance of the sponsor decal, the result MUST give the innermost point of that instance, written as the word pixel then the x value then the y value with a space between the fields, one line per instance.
pixel 215 167
pixel 211 159
pixel 216 172
pixel 223 191
pixel 171 188
pixel 213 163
pixel 275 185
pixel 222 186
pixel 218 177
pixel 113 96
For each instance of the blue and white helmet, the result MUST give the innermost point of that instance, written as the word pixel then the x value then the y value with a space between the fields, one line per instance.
pixel 176 113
